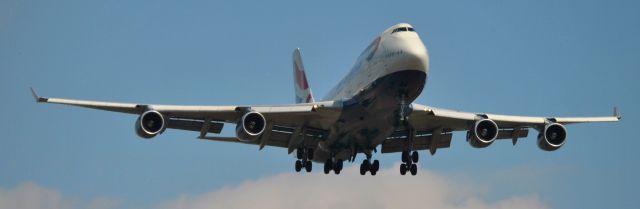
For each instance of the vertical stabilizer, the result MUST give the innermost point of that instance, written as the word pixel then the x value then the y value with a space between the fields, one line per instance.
pixel 300 84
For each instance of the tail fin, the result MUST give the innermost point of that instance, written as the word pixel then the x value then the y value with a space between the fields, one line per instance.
pixel 300 84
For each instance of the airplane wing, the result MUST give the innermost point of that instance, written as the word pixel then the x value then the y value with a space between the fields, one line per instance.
pixel 431 118
pixel 433 126
pixel 284 121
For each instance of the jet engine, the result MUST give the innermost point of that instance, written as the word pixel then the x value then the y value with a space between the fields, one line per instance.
pixel 251 126
pixel 150 124
pixel 552 137
pixel 484 132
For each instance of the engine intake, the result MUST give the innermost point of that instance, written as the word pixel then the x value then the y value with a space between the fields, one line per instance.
pixel 484 132
pixel 150 124
pixel 553 136
pixel 251 126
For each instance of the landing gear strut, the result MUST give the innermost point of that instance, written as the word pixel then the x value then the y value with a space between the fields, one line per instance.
pixel 368 165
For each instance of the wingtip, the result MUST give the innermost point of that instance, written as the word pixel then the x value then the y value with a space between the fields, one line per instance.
pixel 616 112
pixel 36 97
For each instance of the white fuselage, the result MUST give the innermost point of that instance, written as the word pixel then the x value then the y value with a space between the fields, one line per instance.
pixel 388 76
pixel 388 53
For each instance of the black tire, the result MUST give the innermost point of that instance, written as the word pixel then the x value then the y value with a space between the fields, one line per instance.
pixel 298 166
pixel 405 156
pixel 299 153
pixel 363 170
pixel 367 165
pixel 310 154
pixel 339 165
pixel 327 167
pixel 415 157
pixel 373 173
pixel 308 166
pixel 336 171
pixel 414 169
pixel 403 169
pixel 375 167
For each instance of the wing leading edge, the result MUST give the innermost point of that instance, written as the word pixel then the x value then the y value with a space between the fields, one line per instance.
pixel 431 118
pixel 286 119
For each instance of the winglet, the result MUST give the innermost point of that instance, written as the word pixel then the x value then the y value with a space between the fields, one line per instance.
pixel 616 112
pixel 36 97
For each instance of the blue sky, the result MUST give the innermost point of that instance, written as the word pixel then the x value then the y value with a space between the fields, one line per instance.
pixel 564 58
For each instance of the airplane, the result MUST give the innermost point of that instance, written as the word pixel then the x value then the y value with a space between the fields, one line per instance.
pixel 372 106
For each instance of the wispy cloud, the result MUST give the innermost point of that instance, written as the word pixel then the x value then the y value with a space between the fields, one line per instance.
pixel 32 196
pixel 293 190
pixel 350 190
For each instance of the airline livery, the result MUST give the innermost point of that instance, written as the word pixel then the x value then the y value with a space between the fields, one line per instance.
pixel 371 108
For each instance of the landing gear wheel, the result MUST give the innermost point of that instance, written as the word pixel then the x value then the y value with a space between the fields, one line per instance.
pixel 363 170
pixel 310 154
pixel 328 166
pixel 403 169
pixel 337 167
pixel 308 166
pixel 367 165
pixel 405 156
pixel 299 153
pixel 298 165
pixel 415 157
pixel 375 166
pixel 414 169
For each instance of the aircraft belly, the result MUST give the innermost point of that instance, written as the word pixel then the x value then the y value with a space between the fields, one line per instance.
pixel 371 115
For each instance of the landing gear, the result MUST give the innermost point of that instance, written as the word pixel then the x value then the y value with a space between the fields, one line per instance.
pixel 414 156
pixel 364 167
pixel 337 167
pixel 304 153
pixel 409 163
pixel 330 165
pixel 298 165
pixel 413 169
pixel 303 164
pixel 375 166
pixel 368 165
pixel 308 166
pixel 304 159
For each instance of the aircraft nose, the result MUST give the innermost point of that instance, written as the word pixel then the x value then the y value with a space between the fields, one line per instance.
pixel 410 53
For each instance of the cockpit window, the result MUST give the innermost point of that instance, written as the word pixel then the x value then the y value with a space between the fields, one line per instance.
pixel 402 29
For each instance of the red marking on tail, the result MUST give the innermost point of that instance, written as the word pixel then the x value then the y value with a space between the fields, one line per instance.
pixel 301 78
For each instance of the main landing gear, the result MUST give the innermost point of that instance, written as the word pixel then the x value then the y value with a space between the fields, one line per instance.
pixel 304 156
pixel 409 163
pixel 368 165
pixel 335 165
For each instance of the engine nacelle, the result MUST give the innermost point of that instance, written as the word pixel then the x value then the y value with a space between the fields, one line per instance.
pixel 251 126
pixel 484 132
pixel 552 137
pixel 150 124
